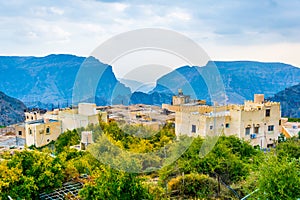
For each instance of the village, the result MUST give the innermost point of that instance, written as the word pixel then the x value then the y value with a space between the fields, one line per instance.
pixel 257 121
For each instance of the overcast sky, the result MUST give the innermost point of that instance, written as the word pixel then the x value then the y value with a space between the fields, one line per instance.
pixel 262 30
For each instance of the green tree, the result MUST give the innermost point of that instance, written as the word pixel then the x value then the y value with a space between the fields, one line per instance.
pixel 66 139
pixel 111 184
pixel 289 148
pixel 231 159
pixel 279 179
pixel 194 186
pixel 32 172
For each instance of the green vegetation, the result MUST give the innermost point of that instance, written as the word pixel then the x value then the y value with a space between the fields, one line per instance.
pixel 27 173
pixel 66 139
pixel 279 178
pixel 194 185
pixel 111 184
pixel 293 119
pixel 232 170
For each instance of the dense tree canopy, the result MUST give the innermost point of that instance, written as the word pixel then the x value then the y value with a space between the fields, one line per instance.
pixel 67 139
pixel 111 184
pixel 231 170
pixel 29 172
pixel 279 178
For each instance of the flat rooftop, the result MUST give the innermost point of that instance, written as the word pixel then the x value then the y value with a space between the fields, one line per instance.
pixel 40 121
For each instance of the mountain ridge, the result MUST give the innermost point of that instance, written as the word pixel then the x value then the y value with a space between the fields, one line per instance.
pixel 241 79
pixel 50 79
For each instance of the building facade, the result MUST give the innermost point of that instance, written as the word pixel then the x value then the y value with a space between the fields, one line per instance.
pixel 39 129
pixel 256 121
pixel 85 114
pixel 41 132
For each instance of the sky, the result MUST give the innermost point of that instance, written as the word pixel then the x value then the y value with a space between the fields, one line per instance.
pixel 260 30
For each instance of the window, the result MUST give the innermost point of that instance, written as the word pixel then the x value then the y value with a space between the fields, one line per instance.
pixel 268 112
pixel 48 130
pixel 20 132
pixel 247 131
pixel 227 125
pixel 30 131
pixel 193 128
pixel 271 128
pixel 211 127
pixel 256 130
pixel 31 118
pixel 253 136
pixel 279 122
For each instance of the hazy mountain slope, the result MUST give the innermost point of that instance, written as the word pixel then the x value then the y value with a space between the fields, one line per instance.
pixel 242 79
pixel 154 98
pixel 289 100
pixel 136 85
pixel 50 79
pixel 11 110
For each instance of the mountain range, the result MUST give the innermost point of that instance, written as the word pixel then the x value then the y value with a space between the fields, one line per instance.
pixel 241 80
pixel 49 81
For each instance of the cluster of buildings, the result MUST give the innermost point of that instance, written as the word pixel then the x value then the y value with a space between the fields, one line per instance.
pixel 140 114
pixel 257 121
pixel 40 128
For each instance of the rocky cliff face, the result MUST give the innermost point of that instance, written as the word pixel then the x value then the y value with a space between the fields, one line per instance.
pixel 43 81
pixel 241 79
pixel 11 110
pixel 289 100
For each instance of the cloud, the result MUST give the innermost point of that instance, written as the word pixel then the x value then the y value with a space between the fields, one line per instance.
pixel 42 11
pixel 78 26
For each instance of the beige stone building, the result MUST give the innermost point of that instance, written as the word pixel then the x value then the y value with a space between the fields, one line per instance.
pixel 41 132
pixel 256 121
pixel 41 128
pixel 20 130
pixel 181 99
pixel 85 114
pixel 33 115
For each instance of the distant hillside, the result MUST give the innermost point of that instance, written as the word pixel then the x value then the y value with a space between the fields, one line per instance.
pixel 137 86
pixel 11 110
pixel 289 100
pixel 41 81
pixel 242 79
pixel 154 98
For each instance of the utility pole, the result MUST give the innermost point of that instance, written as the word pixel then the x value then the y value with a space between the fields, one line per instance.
pixel 219 186
pixel 165 151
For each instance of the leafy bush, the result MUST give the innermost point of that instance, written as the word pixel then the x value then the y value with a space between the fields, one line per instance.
pixel 66 139
pixel 194 185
